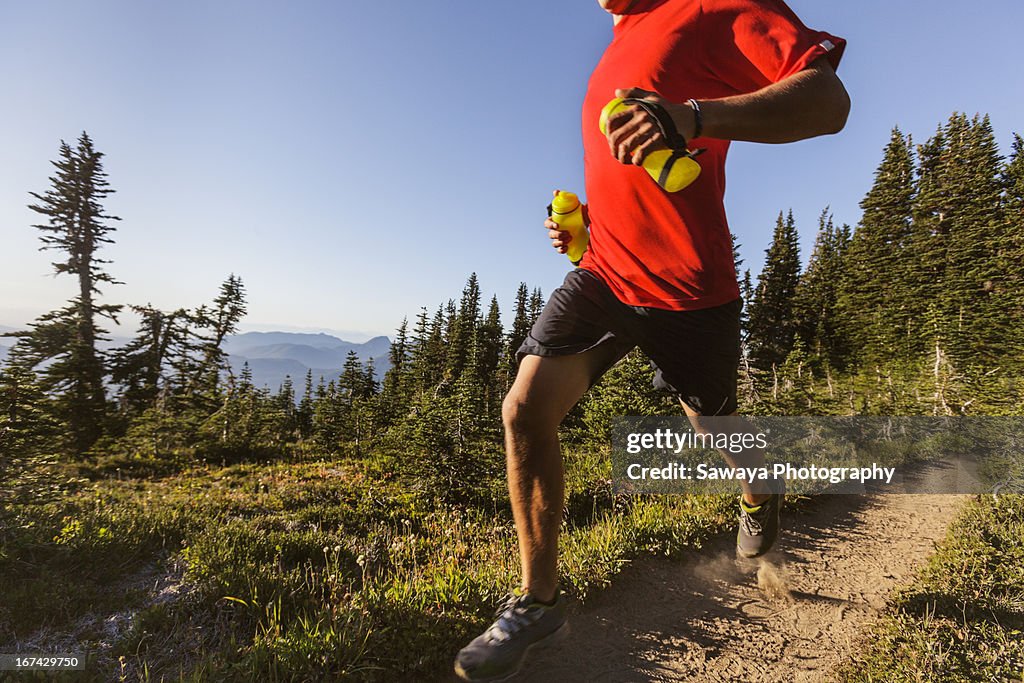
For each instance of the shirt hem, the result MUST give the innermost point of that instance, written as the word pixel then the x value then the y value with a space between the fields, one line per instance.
pixel 668 304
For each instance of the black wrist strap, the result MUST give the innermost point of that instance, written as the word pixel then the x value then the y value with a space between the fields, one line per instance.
pixel 698 118
pixel 673 138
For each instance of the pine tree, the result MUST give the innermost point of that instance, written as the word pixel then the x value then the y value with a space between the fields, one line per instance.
pixel 972 288
pixel 737 259
pixel 219 321
pixel 352 382
pixel 792 392
pixel 326 431
pixel 463 326
pixel 27 434
pixel 140 367
pixel 536 305
pixel 816 297
pixel 626 389
pixel 877 290
pixel 245 421
pixel 930 225
pixel 772 322
pixel 278 417
pixel 516 336
pixel 428 350
pixel 66 340
pixel 27 427
pixel 304 413
pixel 396 389
pixel 1012 260
pixel 489 336
pixel 418 349
pixel 747 294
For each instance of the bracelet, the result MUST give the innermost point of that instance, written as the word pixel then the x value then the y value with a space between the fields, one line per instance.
pixel 698 118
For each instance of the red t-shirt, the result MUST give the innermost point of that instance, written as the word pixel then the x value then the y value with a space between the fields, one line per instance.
pixel 673 250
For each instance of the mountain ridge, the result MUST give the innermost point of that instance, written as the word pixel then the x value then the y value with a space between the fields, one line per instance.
pixel 272 356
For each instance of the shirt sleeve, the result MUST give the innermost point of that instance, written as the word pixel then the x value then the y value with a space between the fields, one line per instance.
pixel 750 44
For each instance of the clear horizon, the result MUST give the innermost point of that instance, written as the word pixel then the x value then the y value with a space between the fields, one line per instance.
pixel 355 165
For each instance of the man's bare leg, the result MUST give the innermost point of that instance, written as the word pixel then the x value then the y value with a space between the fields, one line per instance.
pixel 754 494
pixel 546 388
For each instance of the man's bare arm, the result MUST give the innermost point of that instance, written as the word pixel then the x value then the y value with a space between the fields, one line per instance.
pixel 809 103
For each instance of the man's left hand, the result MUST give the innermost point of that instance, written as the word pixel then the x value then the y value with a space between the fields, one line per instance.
pixel 634 133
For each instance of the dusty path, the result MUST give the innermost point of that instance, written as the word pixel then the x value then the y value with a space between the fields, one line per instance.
pixel 707 618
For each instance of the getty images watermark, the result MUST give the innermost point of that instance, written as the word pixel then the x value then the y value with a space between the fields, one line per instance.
pixel 819 454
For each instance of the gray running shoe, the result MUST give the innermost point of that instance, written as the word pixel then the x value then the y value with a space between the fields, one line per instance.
pixel 520 624
pixel 759 526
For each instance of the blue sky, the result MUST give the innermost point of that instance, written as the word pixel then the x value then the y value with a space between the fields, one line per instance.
pixel 355 161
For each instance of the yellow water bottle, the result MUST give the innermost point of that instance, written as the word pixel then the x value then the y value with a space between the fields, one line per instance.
pixel 567 211
pixel 672 169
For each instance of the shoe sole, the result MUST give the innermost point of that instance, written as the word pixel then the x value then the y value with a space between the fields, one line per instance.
pixel 754 556
pixel 553 638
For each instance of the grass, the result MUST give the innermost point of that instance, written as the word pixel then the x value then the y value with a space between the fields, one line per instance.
pixel 313 569
pixel 298 570
pixel 962 619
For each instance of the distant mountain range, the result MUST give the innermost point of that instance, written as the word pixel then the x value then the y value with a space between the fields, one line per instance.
pixel 274 355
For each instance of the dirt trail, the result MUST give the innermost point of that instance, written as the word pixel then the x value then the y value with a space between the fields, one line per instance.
pixel 793 617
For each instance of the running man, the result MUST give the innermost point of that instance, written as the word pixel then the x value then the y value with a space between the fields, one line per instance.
pixel 659 271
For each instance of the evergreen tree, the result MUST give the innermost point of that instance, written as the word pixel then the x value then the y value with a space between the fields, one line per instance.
pixel 489 346
pixel 772 321
pixel 1012 261
pixel 419 369
pixel 139 368
pixel 626 389
pixel 246 421
pixel 355 386
pixel 930 225
pixel 284 402
pixel 816 297
pixel 792 392
pixel 27 435
pixel 520 328
pixel 877 300
pixel 464 326
pixel 432 360
pixel 27 427
pixel 304 413
pixel 352 382
pixel 219 322
pixel 64 342
pixel 971 289
pixel 327 422
pixel 396 389
pixel 536 305
pixel 747 294
pixel 737 260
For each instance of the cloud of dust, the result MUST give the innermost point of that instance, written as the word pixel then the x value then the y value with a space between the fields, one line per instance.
pixel 720 567
pixel 771 580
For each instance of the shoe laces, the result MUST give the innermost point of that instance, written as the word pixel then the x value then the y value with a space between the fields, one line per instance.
pixel 749 521
pixel 513 614
pixel 750 525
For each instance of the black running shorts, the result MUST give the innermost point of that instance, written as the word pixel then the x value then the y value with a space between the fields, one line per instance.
pixel 695 353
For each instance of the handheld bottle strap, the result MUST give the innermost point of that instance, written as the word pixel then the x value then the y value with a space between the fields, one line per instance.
pixel 675 140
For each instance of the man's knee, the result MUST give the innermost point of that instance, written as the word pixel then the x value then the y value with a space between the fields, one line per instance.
pixel 707 424
pixel 522 416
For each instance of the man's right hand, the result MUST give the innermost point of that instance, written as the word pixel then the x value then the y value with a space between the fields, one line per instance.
pixel 560 238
